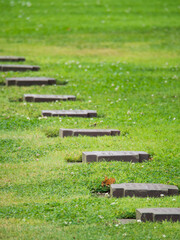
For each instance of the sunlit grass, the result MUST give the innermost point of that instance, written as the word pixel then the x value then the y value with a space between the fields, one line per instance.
pixel 120 58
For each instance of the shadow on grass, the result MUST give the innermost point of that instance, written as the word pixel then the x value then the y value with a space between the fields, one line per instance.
pixel 14 99
pixel 61 82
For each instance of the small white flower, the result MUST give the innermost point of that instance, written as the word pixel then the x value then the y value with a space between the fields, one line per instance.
pixel 112 203
pixel 173 199
pixel 161 195
pixel 28 118
pixel 175 77
pixel 28 4
pixel 101 217
pixel 101 121
pixel 174 118
pixel 152 95
pixel 112 84
pixel 124 234
pixel 139 221
pixel 89 101
pixel 164 236
pixel 25 103
pixel 116 225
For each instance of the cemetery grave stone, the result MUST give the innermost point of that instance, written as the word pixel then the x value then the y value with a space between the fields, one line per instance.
pixel 64 132
pixel 158 214
pixel 69 113
pixel 11 59
pixel 47 98
pixel 127 156
pixel 142 190
pixel 29 81
pixel 21 68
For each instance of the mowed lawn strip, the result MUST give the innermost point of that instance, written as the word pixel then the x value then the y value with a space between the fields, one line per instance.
pixel 120 59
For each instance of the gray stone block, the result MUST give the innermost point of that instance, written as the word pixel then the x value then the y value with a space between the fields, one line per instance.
pixel 88 132
pixel 69 113
pixel 142 190
pixel 11 59
pixel 29 81
pixel 47 98
pixel 158 214
pixel 126 156
pixel 20 68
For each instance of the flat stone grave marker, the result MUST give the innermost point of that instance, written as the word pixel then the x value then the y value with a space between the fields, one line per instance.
pixel 69 113
pixel 142 190
pixel 63 132
pixel 29 81
pixel 126 156
pixel 127 220
pixel 158 214
pixel 11 59
pixel 47 98
pixel 21 68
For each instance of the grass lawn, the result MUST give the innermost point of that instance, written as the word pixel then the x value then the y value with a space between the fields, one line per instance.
pixel 121 58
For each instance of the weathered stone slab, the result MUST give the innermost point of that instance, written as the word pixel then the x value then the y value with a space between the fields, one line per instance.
pixel 47 98
pixel 21 68
pixel 126 156
pixel 127 221
pixel 142 190
pixel 69 113
pixel 29 81
pixel 64 132
pixel 11 59
pixel 158 214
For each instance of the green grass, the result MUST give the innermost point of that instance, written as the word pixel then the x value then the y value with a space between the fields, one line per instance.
pixel 120 58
